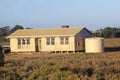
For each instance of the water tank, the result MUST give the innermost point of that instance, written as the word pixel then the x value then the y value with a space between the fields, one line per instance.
pixel 94 45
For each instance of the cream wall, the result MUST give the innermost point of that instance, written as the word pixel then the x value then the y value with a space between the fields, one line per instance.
pixel 39 44
pixel 57 46
pixel 14 45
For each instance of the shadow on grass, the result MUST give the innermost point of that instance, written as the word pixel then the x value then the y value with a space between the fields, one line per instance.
pixel 112 49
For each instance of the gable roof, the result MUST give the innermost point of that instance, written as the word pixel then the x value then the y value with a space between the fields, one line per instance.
pixel 46 32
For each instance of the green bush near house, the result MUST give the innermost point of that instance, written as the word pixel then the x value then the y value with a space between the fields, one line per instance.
pixel 1 57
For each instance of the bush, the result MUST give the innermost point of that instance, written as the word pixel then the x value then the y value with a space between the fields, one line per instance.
pixel 1 57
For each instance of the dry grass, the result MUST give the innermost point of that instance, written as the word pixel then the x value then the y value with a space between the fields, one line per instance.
pixel 22 56
pixel 112 42
pixel 66 66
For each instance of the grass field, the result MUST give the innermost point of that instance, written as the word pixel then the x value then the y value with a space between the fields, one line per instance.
pixel 66 66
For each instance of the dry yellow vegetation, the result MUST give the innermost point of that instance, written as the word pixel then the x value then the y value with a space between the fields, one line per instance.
pixel 66 66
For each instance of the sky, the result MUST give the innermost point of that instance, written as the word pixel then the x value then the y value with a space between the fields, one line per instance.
pixel 92 14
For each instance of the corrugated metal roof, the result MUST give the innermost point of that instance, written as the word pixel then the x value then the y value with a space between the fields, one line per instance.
pixel 46 32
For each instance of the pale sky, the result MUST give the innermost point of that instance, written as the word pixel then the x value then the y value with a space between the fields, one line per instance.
pixel 92 14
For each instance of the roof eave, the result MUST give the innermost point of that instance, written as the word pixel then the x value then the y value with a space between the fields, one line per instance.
pixel 38 36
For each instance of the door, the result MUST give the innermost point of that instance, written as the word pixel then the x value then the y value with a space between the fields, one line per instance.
pixel 39 43
pixel 36 45
pixel 82 44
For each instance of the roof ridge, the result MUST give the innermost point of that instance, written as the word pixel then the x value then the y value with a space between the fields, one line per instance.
pixel 58 28
pixel 47 32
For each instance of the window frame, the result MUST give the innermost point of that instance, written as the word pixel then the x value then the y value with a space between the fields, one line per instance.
pixel 47 41
pixel 28 41
pixel 19 41
pixel 50 41
pixel 64 40
pixel 23 42
pixel 78 44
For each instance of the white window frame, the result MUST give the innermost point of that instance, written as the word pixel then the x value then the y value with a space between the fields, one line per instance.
pixel 23 42
pixel 50 41
pixel 64 40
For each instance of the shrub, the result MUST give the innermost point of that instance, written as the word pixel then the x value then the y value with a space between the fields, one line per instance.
pixel 64 68
pixel 34 75
pixel 89 72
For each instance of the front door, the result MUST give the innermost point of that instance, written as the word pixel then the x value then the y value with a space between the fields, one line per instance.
pixel 36 45
pixel 39 43
pixel 82 44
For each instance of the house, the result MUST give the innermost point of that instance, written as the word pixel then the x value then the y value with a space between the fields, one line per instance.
pixel 63 39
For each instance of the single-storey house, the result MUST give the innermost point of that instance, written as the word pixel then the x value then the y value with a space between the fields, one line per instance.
pixel 49 40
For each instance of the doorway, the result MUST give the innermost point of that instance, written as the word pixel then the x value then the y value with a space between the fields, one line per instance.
pixel 39 43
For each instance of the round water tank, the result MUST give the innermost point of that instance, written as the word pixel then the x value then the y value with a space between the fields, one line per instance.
pixel 94 45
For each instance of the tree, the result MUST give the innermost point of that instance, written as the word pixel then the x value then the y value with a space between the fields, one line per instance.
pixel 4 30
pixel 3 33
pixel 107 32
pixel 15 28
pixel 116 34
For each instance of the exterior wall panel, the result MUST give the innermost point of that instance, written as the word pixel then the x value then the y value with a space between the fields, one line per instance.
pixel 24 48
pixel 58 46
pixel 13 45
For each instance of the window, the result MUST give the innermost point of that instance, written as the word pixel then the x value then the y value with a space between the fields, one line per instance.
pixel 78 44
pixel 23 43
pixel 19 41
pixel 64 40
pixel 50 41
pixel 28 41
